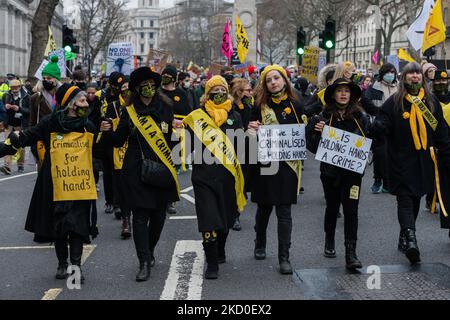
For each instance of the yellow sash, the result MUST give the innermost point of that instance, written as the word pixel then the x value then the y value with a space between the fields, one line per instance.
pixel 437 193
pixel 118 153
pixel 321 95
pixel 155 139
pixel 446 111
pixel 72 170
pixel 40 150
pixel 269 118
pixel 220 146
pixel 428 116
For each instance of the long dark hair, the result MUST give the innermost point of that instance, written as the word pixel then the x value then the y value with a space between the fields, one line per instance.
pixel 354 109
pixel 399 97
pixel 263 96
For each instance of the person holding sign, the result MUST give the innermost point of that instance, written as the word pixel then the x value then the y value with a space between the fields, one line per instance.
pixel 341 186
pixel 219 186
pixel 414 125
pixel 148 171
pixel 60 207
pixel 275 104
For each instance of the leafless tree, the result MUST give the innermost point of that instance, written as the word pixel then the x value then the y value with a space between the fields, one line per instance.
pixel 101 23
pixel 39 33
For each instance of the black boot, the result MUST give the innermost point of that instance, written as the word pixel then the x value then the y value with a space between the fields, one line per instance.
pixel 329 251
pixel 351 259
pixel 144 271
pixel 211 252
pixel 260 245
pixel 402 243
pixel 221 241
pixel 237 225
pixel 412 250
pixel 62 254
pixel 126 228
pixel 76 252
pixel 152 257
pixel 283 259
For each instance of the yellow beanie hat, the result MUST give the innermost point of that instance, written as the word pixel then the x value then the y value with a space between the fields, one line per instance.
pixel 274 67
pixel 214 82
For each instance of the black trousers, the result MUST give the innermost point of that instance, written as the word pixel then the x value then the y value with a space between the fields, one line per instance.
pixel 337 193
pixel 108 181
pixel 148 225
pixel 119 195
pixel 75 243
pixel 284 223
pixel 408 211
pixel 380 163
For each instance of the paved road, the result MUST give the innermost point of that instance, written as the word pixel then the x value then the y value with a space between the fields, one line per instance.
pixel 27 271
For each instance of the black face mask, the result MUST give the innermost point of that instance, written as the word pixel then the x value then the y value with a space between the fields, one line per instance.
pixel 441 88
pixel 48 85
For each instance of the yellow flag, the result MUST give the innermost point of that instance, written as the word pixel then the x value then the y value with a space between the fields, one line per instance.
pixel 51 44
pixel 435 29
pixel 242 40
pixel 403 55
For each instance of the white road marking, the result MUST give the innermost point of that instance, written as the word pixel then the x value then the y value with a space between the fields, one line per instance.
pixel 18 176
pixel 185 278
pixel 51 294
pixel 183 218
pixel 188 198
pixel 187 189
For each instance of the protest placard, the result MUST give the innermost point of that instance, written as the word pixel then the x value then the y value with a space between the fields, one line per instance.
pixel 157 59
pixel 38 73
pixel 282 143
pixel 120 58
pixel 311 64
pixel 344 149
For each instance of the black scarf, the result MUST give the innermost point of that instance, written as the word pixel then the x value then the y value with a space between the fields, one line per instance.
pixel 70 124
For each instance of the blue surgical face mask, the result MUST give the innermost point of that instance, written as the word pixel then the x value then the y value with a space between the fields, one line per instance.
pixel 389 77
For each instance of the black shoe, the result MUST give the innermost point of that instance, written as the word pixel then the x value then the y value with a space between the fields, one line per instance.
pixel 61 273
pixel 283 259
pixel 237 225
pixel 117 213
pixel 302 190
pixel 109 208
pixel 144 272
pixel 412 250
pixel 260 250
pixel 212 272
pixel 351 260
pixel 402 243
pixel 329 251
pixel 171 209
pixel 377 186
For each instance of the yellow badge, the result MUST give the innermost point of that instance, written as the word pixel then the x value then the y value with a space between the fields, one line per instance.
pixel 164 127
pixel 176 98
pixel 354 193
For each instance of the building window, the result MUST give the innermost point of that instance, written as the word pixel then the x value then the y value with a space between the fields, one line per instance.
pixel 151 46
pixel 142 23
pixel 151 35
pixel 142 48
pixel 151 23
pixel 142 35
pixel 150 2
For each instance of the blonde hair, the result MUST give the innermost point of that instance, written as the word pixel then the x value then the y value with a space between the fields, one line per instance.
pixel 342 68
pixel 238 86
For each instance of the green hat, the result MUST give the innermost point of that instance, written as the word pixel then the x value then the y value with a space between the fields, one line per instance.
pixel 52 69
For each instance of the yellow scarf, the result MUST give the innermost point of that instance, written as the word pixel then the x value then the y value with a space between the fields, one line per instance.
pixel 416 116
pixel 281 99
pixel 218 112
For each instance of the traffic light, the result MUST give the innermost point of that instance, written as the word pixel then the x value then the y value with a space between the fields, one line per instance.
pixel 69 40
pixel 327 38
pixel 301 41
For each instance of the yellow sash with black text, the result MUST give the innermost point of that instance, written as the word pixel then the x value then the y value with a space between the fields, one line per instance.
pixel 155 139
pixel 71 165
pixel 118 153
pixel 269 118
pixel 216 141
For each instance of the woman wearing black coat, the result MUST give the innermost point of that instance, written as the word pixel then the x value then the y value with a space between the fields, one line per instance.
pixel 409 137
pixel 275 103
pixel 219 189
pixel 147 202
pixel 340 186
pixel 67 222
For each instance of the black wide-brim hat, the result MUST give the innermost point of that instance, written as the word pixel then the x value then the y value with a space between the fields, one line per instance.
pixel 441 75
pixel 143 74
pixel 355 90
